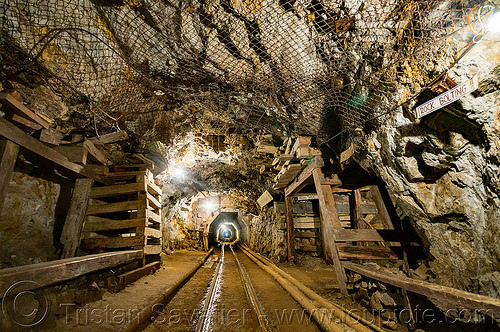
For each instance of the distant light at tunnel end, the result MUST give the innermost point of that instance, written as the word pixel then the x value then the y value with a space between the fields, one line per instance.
pixel 494 23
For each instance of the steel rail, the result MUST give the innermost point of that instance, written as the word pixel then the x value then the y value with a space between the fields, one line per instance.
pixel 250 291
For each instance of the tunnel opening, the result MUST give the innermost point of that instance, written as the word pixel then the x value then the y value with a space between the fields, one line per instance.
pixel 227 228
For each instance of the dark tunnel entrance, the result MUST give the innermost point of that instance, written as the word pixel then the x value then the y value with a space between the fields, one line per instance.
pixel 227 228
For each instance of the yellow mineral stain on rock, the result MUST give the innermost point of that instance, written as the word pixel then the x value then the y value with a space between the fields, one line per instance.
pixel 247 7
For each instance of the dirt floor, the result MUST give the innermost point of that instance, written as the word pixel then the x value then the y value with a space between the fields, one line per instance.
pixel 118 310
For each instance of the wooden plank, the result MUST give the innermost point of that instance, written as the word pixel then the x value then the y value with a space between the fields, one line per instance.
pixel 264 199
pixel 300 142
pixel 283 179
pixel 285 157
pixel 119 189
pixel 290 240
pixel 132 276
pixel 341 190
pixel 153 188
pixel 153 217
pixel 23 123
pixel 114 207
pixel 349 252
pixel 111 243
pixel 73 225
pixel 307 225
pixel 306 152
pixel 50 136
pixel 95 152
pixel 130 174
pixel 154 202
pixel 8 157
pixel 12 105
pixel 53 272
pixel 304 177
pixel 151 232
pixel 329 221
pixel 110 138
pixel 95 224
pixel 56 159
pixel 96 169
pixel 75 153
pixel 308 234
pixel 308 247
pixel 372 235
pixel 152 249
pixel 449 295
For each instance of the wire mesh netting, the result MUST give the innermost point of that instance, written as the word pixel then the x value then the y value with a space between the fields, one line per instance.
pixel 312 66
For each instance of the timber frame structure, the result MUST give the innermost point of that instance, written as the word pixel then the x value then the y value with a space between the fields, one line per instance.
pixel 340 246
pixel 110 242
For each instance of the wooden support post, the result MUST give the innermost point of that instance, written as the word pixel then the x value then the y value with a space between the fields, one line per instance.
pixel 355 209
pixel 290 238
pixel 75 218
pixel 329 222
pixel 382 210
pixel 8 157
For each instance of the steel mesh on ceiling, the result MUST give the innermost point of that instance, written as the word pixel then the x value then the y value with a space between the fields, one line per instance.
pixel 313 66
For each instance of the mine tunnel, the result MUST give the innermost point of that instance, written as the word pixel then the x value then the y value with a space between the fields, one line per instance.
pixel 278 165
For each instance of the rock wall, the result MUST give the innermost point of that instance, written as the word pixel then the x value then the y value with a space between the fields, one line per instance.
pixel 267 233
pixel 442 173
pixel 27 221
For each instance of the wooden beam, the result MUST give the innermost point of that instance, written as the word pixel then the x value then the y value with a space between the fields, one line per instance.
pixel 304 176
pixel 153 188
pixel 372 235
pixel 348 252
pixel 153 202
pixel 8 157
pixel 56 160
pixel 12 105
pixel 449 295
pixel 53 272
pixel 290 239
pixel 75 153
pixel 73 226
pixel 382 210
pixel 131 276
pixel 95 152
pixel 329 221
pixel 110 138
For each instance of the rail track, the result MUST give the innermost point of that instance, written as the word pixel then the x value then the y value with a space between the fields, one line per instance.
pixel 240 278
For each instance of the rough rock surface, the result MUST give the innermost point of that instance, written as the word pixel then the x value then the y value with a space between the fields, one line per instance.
pixel 27 221
pixel 442 174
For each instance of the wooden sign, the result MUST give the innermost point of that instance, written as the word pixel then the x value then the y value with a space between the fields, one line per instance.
pixel 447 97
pixel 264 199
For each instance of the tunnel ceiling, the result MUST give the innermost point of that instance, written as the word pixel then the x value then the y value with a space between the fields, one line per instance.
pixel 219 72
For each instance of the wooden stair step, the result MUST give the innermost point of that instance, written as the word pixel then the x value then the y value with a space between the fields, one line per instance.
pixel 153 201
